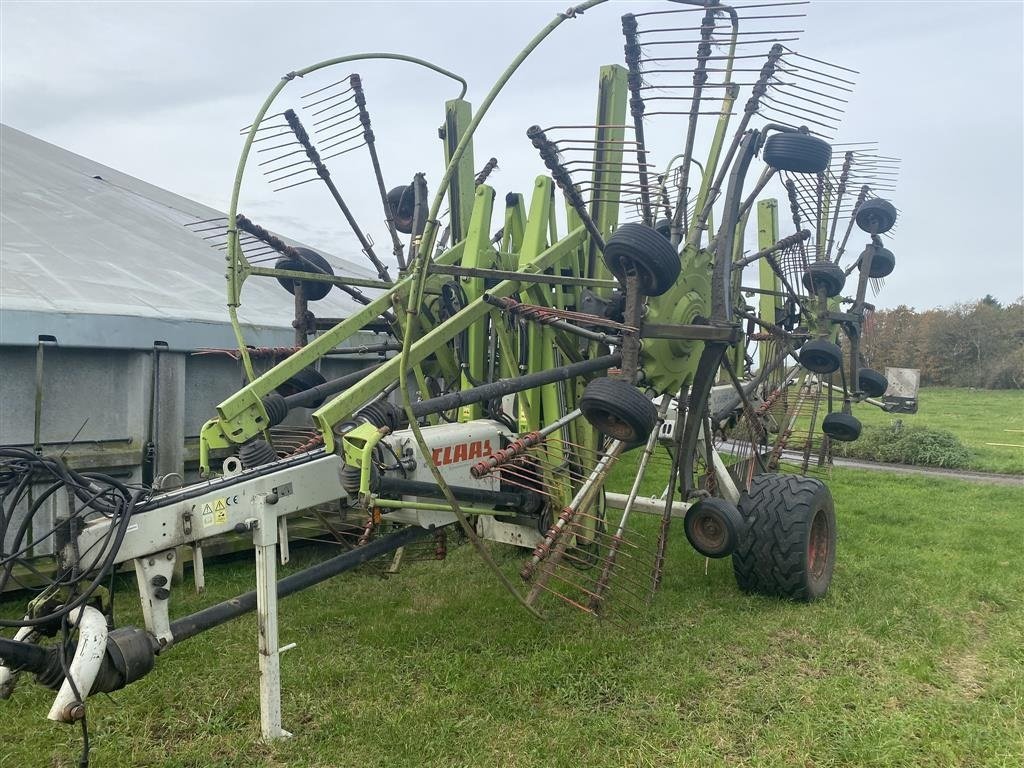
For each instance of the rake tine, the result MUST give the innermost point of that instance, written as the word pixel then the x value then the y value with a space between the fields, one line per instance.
pixel 345 132
pixel 291 143
pixel 812 91
pixel 777 89
pixel 280 157
pixel 327 98
pixel 222 226
pixel 716 7
pixel 324 88
pixel 327 119
pixel 268 138
pixel 296 184
pixel 333 107
pixel 737 42
pixel 613 550
pixel 323 173
pixel 826 63
pixel 304 161
pixel 799 73
pixel 343 142
pixel 243 131
pixel 616 569
pixel 597 535
pixel 844 177
pixel 622 567
pixel 344 152
pixel 800 116
pixel 569 600
pixel 277 179
pixel 861 197
pixel 822 115
pixel 586 609
pixel 657 30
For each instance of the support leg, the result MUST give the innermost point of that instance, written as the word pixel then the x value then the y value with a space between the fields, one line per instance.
pixel 265 539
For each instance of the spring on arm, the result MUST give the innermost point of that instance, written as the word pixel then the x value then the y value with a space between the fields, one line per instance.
pixel 549 154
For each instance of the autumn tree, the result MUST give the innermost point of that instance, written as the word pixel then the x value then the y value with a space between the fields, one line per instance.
pixel 979 344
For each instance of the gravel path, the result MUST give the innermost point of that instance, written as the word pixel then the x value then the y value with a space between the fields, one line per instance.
pixel 991 478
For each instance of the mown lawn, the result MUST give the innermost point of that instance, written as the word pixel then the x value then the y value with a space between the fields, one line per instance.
pixel 915 658
pixel 989 422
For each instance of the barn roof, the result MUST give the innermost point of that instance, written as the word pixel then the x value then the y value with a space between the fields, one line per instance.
pixel 97 258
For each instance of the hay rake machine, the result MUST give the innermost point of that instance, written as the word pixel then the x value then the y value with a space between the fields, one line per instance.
pixel 619 321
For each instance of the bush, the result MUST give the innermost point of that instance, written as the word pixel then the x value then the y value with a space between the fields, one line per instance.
pixel 898 444
pixel 1006 372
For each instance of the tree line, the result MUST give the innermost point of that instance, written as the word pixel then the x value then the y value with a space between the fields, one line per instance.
pixel 979 344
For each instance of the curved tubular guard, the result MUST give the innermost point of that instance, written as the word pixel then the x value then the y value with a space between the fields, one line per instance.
pixel 235 276
pixel 92 645
pixel 245 404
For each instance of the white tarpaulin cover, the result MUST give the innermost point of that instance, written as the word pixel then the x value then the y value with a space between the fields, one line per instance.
pixel 98 258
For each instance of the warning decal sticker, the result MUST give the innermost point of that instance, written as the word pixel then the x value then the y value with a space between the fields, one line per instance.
pixel 215 512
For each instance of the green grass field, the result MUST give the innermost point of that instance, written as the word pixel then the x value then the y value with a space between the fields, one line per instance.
pixel 915 658
pixel 989 422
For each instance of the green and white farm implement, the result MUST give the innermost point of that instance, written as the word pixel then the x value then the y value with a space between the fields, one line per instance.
pixel 637 316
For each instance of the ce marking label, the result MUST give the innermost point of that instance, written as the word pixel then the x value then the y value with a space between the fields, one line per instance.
pixel 215 512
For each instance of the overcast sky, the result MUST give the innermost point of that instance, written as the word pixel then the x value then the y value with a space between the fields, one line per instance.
pixel 160 90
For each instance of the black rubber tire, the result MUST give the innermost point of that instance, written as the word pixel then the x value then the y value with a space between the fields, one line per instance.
pixel 882 263
pixel 842 427
pixel 305 379
pixel 713 526
pixel 876 216
pixel 664 228
pixel 871 382
pixel 619 410
pixel 821 356
pixel 797 152
pixel 824 273
pixel 788 543
pixel 648 252
pixel 402 202
pixel 313 263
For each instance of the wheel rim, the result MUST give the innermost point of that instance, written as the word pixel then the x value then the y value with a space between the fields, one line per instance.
pixel 818 545
pixel 612 425
pixel 709 533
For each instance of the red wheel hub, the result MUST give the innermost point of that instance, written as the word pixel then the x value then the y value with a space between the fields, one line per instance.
pixel 818 544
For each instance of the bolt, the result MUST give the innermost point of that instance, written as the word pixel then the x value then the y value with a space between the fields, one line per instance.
pixel 152 561
pixel 158 581
pixel 170 555
pixel 74 712
pixel 161 593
